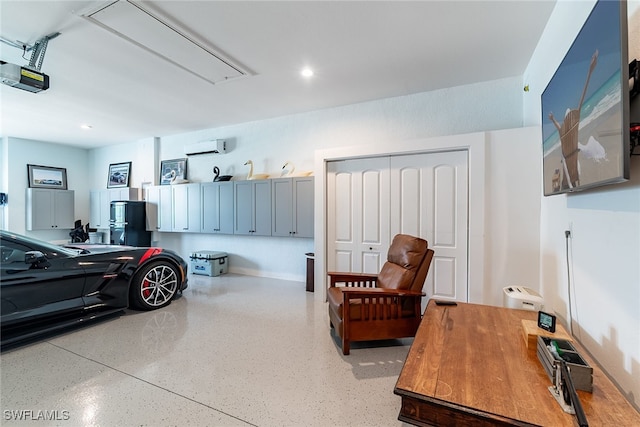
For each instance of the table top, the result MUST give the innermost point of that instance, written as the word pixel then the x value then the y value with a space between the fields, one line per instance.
pixel 472 360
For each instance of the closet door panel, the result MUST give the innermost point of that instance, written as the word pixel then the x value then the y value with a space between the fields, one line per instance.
pixel 445 206
pixel 358 214
pixel 343 209
pixel 429 199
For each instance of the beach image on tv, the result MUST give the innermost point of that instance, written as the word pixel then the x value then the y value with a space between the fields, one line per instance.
pixel 582 108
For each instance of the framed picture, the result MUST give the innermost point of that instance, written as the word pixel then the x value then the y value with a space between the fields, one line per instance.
pixel 119 175
pixel 47 177
pixel 170 169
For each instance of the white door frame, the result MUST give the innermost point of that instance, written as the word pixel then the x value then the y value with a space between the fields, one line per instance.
pixel 474 143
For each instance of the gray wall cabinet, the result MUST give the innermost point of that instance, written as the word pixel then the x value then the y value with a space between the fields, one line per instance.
pixel 186 207
pixel 217 207
pixel 49 209
pixel 252 207
pixel 292 207
pixel 159 208
pixel 100 204
pixel 269 207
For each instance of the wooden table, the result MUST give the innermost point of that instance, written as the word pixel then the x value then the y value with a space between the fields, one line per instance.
pixel 469 366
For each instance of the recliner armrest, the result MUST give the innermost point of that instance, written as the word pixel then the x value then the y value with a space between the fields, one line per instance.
pixel 356 280
pixel 380 304
pixel 356 292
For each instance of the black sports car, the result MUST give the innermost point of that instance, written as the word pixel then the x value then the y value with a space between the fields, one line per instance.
pixel 45 287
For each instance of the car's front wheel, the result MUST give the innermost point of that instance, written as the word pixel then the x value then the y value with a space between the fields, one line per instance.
pixel 154 286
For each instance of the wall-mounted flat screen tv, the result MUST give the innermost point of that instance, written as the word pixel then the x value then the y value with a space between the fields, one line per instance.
pixel 585 107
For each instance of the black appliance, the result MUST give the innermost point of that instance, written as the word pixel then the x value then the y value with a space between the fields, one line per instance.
pixel 128 224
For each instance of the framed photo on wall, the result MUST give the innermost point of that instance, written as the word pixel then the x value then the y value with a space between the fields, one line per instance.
pixel 47 177
pixel 119 175
pixel 170 169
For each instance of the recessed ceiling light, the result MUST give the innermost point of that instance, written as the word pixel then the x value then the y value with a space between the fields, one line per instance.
pixel 306 72
pixel 86 127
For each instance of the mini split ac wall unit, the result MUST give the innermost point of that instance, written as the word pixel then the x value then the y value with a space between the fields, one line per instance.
pixel 217 146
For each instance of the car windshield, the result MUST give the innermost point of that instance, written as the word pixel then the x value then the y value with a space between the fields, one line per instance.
pixel 52 249
pixel 60 249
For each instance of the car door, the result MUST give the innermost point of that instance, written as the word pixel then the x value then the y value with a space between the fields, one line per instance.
pixel 37 281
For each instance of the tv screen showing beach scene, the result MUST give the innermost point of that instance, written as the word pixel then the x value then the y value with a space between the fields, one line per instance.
pixel 585 107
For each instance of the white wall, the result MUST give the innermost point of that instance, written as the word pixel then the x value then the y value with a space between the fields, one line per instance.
pixel 19 153
pixel 141 154
pixel 269 143
pixel 379 125
pixel 605 227
pixel 513 191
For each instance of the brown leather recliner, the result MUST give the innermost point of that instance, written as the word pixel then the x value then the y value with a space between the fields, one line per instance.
pixel 364 307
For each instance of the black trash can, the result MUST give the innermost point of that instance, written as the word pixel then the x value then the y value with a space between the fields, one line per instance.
pixel 310 270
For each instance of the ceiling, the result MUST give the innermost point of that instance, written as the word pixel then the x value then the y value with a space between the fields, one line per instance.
pixel 359 51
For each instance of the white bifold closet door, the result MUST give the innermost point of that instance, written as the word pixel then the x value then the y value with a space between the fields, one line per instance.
pixel 371 200
pixel 429 198
pixel 358 214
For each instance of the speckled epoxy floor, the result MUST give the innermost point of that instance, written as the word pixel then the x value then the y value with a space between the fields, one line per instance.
pixel 233 350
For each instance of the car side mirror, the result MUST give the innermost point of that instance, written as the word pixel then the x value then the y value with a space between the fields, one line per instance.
pixel 34 257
